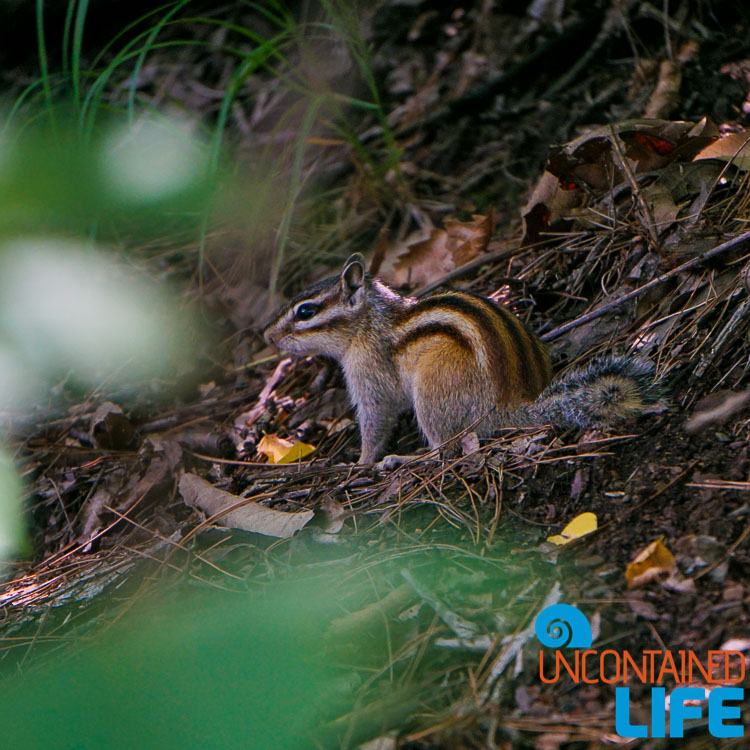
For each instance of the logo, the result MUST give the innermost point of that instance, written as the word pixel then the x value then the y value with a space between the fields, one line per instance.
pixel 563 626
pixel 566 629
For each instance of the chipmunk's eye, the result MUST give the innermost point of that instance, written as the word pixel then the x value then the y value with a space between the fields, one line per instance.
pixel 306 310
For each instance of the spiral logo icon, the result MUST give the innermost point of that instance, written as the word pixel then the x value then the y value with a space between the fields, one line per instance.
pixel 563 626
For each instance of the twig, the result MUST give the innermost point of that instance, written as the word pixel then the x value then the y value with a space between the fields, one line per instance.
pixel 594 314
pixel 706 359
pixel 647 215
pixel 511 649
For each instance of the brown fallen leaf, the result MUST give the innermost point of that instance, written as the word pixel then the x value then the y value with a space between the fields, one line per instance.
pixel 335 514
pixel 236 512
pixel 469 443
pixel 648 146
pixel 662 205
pixel 442 251
pixel 550 202
pixel 732 147
pixel 643 609
pixel 110 429
pixel 736 644
pixel 423 261
pixel 470 238
pixel 584 176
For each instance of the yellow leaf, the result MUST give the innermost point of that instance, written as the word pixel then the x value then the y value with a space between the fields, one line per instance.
pixel 281 451
pixel 578 527
pixel 297 451
pixel 649 563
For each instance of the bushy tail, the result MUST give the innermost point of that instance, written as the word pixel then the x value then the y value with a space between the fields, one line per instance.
pixel 605 392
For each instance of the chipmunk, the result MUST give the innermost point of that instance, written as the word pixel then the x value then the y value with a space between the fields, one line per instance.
pixel 456 359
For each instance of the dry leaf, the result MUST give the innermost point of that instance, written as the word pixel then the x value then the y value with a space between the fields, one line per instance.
pixel 646 610
pixel 550 201
pixel 650 563
pixel 678 583
pixel 335 514
pixel 736 644
pixel 423 261
pixel 470 238
pixel 396 248
pixel 282 451
pixel 198 493
pixel 110 429
pixel 469 443
pixel 589 169
pixel 734 147
pixel 581 525
pixel 661 202
pixel 648 146
pixel 443 250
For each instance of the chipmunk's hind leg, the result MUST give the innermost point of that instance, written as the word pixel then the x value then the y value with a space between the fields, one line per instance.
pixel 448 394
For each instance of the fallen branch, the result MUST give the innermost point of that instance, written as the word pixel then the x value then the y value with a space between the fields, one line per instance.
pixel 731 405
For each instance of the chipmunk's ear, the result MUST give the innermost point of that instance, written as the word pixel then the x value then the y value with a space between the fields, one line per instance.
pixel 353 277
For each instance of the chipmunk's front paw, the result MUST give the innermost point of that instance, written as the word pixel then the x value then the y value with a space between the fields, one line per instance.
pixel 389 463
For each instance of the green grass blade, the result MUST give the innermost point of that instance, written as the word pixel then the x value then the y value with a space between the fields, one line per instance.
pixel 66 36
pixel 78 25
pixel 125 30
pixel 20 100
pixel 145 50
pixel 294 189
pixel 43 62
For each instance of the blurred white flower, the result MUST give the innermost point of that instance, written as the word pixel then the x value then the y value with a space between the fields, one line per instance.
pixel 152 160
pixel 17 384
pixel 65 307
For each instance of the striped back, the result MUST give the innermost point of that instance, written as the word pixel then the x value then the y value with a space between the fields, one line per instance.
pixel 515 359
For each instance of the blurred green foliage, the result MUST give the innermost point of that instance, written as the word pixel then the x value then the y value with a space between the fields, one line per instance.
pixel 131 181
pixel 12 532
pixel 224 671
pixel 91 171
pixel 329 646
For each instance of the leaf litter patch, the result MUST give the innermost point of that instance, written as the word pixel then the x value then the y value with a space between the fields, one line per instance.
pixel 460 544
pixel 489 510
pixel 442 565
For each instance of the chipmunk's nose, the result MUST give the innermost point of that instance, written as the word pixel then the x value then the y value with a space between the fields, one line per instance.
pixel 269 335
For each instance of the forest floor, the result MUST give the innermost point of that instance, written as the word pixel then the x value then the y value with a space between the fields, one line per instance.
pixel 635 239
